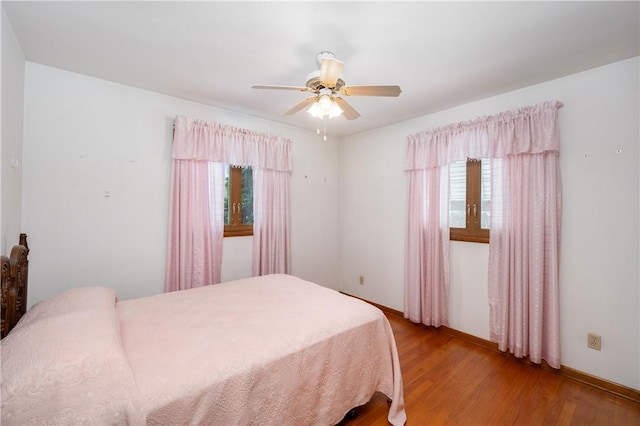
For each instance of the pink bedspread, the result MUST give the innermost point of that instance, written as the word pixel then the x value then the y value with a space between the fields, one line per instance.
pixel 272 350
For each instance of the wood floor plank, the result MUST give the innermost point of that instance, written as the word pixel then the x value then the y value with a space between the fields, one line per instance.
pixel 449 381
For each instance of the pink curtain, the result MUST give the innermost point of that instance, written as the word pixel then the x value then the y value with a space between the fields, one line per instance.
pixel 426 274
pixel 196 227
pixel 427 250
pixel 271 224
pixel 525 225
pixel 525 234
pixel 195 241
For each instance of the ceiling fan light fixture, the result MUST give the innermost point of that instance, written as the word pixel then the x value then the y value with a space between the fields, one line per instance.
pixel 325 103
pixel 314 110
pixel 325 106
pixel 335 110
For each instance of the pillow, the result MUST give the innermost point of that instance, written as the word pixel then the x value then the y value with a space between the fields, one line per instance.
pixel 68 369
pixel 74 300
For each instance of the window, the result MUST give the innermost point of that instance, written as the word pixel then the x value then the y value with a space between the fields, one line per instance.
pixel 470 200
pixel 238 201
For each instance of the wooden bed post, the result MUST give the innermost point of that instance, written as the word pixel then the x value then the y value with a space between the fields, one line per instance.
pixel 15 271
pixel 22 276
pixel 6 280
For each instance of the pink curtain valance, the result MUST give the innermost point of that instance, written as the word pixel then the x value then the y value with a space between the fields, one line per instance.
pixel 202 140
pixel 529 130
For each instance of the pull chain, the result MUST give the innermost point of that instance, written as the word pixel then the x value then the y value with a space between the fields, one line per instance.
pixel 325 127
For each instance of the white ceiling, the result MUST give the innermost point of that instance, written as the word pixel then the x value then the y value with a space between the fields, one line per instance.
pixel 441 54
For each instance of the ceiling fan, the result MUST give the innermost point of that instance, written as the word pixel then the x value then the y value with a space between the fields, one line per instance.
pixel 328 88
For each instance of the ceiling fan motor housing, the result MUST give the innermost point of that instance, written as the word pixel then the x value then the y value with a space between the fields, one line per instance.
pixel 315 84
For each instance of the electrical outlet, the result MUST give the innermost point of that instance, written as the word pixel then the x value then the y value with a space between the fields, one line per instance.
pixel 594 342
pixel 361 279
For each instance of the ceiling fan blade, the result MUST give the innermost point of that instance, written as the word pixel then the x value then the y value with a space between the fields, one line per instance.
pixel 371 90
pixel 300 105
pixel 348 111
pixel 330 71
pixel 266 86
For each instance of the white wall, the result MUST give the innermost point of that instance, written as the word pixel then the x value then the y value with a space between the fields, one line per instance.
pixel 599 278
pixel 11 153
pixel 97 159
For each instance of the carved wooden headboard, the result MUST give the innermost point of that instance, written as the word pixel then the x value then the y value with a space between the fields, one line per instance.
pixel 15 271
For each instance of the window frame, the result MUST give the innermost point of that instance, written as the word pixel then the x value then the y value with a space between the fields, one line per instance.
pixel 236 228
pixel 473 232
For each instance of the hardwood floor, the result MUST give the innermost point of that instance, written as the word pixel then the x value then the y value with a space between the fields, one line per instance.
pixel 449 381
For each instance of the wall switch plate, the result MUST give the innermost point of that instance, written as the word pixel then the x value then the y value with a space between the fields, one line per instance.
pixel 594 341
pixel 361 279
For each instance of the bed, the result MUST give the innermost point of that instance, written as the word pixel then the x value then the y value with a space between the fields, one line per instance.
pixel 272 350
